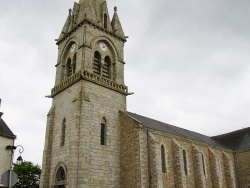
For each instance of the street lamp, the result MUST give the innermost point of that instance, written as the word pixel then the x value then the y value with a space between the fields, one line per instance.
pixel 19 159
pixel 13 148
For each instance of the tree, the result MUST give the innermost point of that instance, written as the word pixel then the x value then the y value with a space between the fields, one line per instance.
pixel 28 175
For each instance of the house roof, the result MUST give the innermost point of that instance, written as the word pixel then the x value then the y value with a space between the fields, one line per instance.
pixel 5 130
pixel 243 139
pixel 236 140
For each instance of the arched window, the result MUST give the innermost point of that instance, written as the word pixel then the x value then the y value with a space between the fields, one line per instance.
pixel 106 67
pixel 63 132
pixel 105 21
pixel 103 131
pixel 163 159
pixel 97 63
pixel 184 155
pixel 203 164
pixel 69 69
pixel 60 178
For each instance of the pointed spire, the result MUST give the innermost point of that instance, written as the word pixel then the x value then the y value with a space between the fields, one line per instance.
pixel 95 11
pixel 67 25
pixel 86 11
pixel 116 24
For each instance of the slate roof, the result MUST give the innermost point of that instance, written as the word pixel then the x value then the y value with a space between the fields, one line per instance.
pixel 237 140
pixel 5 130
pixel 243 140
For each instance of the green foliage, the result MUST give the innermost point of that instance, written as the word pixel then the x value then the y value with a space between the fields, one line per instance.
pixel 28 175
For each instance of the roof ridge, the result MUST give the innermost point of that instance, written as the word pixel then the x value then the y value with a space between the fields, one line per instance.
pixel 233 132
pixel 170 124
pixel 175 131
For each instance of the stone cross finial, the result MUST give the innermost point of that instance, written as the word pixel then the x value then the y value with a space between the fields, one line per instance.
pixel 115 9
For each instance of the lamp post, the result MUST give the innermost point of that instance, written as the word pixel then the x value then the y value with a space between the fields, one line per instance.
pixel 19 159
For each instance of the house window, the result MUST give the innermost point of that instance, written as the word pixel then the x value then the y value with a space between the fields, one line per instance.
pixel 106 67
pixel 105 21
pixel 184 161
pixel 97 63
pixel 163 160
pixel 63 132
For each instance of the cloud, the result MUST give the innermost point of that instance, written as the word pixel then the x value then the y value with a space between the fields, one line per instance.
pixel 186 61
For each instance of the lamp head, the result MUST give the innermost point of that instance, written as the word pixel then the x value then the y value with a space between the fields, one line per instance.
pixel 19 160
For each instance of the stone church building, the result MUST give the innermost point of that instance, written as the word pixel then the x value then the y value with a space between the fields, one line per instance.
pixel 92 141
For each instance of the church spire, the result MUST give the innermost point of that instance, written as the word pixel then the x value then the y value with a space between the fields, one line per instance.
pixel 95 12
pixel 87 11
pixel 116 24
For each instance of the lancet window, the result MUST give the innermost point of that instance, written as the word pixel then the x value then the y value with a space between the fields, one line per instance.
pixel 97 63
pixel 69 67
pixel 105 21
pixel 163 160
pixel 203 164
pixel 63 132
pixel 60 178
pixel 106 67
pixel 184 155
pixel 103 131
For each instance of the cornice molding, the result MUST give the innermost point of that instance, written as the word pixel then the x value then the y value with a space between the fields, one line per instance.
pixel 94 78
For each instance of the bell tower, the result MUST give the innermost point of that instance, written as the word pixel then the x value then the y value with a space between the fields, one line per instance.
pixel 82 142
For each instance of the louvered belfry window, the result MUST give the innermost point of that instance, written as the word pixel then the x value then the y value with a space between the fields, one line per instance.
pixel 97 63
pixel 69 67
pixel 74 64
pixel 106 67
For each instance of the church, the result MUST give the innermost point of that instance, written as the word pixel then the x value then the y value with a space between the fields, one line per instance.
pixel 92 141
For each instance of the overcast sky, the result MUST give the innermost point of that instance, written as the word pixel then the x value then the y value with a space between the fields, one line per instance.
pixel 187 61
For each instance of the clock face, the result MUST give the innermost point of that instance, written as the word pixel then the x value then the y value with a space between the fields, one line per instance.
pixel 103 47
pixel 72 48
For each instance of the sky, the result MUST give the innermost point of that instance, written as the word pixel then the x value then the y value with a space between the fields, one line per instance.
pixel 187 62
